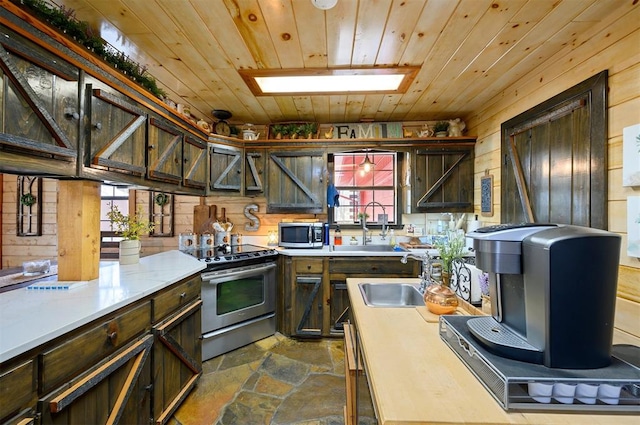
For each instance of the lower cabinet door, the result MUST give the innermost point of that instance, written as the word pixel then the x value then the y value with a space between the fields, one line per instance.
pixel 116 390
pixel 308 309
pixel 177 359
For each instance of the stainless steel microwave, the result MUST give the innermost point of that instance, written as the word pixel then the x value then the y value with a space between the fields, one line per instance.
pixel 300 235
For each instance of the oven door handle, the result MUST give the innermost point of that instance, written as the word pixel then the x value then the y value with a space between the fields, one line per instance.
pixel 215 278
pixel 237 326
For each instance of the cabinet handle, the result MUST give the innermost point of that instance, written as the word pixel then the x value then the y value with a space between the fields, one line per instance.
pixel 113 336
pixel 186 160
pixel 151 147
pixel 98 126
pixel 183 295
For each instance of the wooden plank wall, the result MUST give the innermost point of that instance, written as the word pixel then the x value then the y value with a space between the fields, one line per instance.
pixel 16 249
pixel 615 49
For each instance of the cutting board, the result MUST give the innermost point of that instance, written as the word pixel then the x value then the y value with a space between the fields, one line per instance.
pixel 200 218
pixel 408 245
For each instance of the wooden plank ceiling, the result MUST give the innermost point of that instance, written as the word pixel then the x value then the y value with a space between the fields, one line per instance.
pixel 468 51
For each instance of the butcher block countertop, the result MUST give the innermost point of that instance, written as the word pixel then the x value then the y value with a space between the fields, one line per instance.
pixel 415 378
pixel 30 317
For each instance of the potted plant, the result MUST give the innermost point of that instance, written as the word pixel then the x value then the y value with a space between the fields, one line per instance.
pixel 129 227
pixel 450 249
pixel 310 129
pixel 291 130
pixel 278 131
pixel 441 128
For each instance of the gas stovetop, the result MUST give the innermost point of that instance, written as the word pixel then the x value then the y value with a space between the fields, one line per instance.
pixel 232 254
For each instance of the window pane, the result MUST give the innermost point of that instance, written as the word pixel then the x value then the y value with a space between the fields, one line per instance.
pixel 358 188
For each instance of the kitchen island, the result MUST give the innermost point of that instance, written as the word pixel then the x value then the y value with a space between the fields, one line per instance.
pixel 415 378
pixel 30 317
pixel 125 346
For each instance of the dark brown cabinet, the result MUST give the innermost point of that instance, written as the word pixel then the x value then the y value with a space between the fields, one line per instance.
pixel 255 162
pixel 117 132
pixel 40 109
pixel 297 181
pixel 443 177
pixel 115 390
pixel 164 150
pixel 18 390
pixel 133 366
pixel 225 169
pixel 314 291
pixel 195 163
pixel 177 351
pixel 341 268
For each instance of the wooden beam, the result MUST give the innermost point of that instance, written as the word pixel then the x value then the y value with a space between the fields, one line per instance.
pixel 78 230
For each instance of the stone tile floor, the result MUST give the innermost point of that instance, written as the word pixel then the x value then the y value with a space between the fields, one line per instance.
pixel 277 381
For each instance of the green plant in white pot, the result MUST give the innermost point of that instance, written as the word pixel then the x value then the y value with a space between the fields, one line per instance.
pixel 130 227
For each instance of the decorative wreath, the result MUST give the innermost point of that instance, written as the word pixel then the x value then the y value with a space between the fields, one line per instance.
pixel 27 199
pixel 161 199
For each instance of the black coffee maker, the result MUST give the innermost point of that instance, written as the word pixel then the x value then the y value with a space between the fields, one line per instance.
pixel 553 293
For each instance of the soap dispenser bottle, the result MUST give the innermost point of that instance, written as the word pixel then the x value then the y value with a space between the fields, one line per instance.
pixel 392 238
pixel 337 236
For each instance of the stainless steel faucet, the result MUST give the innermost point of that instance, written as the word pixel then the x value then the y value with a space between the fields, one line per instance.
pixel 383 233
pixel 425 276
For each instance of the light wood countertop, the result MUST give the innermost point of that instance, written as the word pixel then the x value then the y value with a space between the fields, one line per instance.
pixel 415 378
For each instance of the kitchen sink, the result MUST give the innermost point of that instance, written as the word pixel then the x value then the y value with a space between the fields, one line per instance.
pixel 368 248
pixel 390 295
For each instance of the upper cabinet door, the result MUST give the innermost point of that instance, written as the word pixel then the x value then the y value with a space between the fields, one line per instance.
pixel 225 169
pixel 443 179
pixel 195 163
pixel 40 108
pixel 164 151
pixel 254 167
pixel 117 133
pixel 297 182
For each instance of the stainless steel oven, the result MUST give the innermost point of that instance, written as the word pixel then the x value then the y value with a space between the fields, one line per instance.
pixel 238 298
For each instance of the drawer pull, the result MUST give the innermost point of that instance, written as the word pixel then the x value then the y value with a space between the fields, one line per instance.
pixel 113 337
pixel 183 295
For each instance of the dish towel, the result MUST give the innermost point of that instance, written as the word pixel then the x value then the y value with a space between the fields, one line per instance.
pixel 333 196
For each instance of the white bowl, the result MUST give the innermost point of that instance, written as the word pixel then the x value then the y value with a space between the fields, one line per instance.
pixel 587 393
pixel 540 392
pixel 609 394
pixel 564 393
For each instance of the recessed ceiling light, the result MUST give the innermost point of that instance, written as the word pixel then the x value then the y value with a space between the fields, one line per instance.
pixel 324 81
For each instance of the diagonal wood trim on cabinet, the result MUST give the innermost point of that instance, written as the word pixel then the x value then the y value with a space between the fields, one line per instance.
pixel 520 181
pixel 425 198
pixel 140 348
pixel 155 170
pixel 255 175
pixel 276 159
pixel 232 165
pixel 162 332
pixel 65 147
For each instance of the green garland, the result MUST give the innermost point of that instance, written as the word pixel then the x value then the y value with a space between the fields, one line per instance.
pixel 161 199
pixel 28 199
pixel 63 19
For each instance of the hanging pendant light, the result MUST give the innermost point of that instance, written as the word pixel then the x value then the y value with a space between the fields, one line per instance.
pixel 367 164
